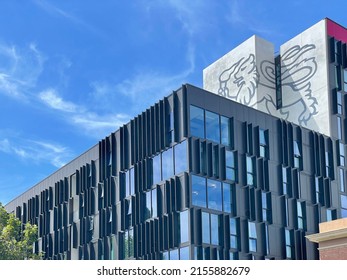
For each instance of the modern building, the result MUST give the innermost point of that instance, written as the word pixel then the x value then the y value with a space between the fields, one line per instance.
pixel 242 169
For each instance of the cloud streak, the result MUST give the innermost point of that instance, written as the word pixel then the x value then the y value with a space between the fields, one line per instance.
pixel 37 151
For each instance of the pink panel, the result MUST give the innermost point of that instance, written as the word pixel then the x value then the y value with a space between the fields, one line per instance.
pixel 337 31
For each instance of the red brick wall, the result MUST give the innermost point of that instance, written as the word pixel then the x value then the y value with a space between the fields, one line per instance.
pixel 339 253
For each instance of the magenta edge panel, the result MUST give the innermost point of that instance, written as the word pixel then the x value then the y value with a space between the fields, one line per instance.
pixel 337 31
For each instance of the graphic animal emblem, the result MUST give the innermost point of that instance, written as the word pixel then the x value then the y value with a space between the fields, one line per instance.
pixel 240 81
pixel 298 65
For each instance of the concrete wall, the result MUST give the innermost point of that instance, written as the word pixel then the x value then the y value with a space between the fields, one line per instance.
pixel 247 75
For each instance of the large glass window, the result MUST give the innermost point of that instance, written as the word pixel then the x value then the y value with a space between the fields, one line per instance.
pixel 215 161
pixel 252 237
pixel 197 127
pixel 205 227
pixel 184 253
pixel 342 180
pixel 225 131
pixel 263 143
pixel 266 206
pixel 289 243
pixel 339 102
pixel 327 164
pixel 203 158
pixel 181 157
pixel 212 126
pixel 339 127
pixel 301 214
pixel 184 226
pixel 297 154
pixel 230 166
pixel 341 154
pixel 343 206
pixel 167 164
pixel 285 185
pixel 227 197
pixel 214 194
pixel 128 244
pixel 345 80
pixel 199 191
pixel 129 182
pixel 156 169
pixel 151 204
pixel 170 127
pixel 233 233
pixel 250 170
pixel 319 190
pixel 210 228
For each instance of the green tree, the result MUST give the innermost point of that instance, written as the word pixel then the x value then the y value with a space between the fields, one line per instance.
pixel 15 243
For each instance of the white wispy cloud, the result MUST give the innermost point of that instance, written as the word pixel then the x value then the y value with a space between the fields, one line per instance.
pixel 51 98
pixel 37 151
pixel 19 70
pixel 92 123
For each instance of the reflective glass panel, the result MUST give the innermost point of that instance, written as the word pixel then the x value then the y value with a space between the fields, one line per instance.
pixel 225 131
pixel 154 203
pixel 214 194
pixel 156 169
pixel 205 227
pixel 344 201
pixel 214 229
pixel 167 164
pixel 174 255
pixel 212 126
pixel 184 253
pixel 184 225
pixel 132 181
pixel 148 213
pixel 181 161
pixel 199 191
pixel 197 127
pixel 227 198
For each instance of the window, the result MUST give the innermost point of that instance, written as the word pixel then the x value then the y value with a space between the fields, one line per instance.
pixel 227 197
pixel 342 180
pixel 252 237
pixel 233 233
pixel 339 128
pixel 341 154
pixel 285 185
pixel 338 77
pixel 184 253
pixel 129 182
pixel 289 243
pixel 210 228
pixel 250 168
pixel 128 212
pixel 184 226
pixel 327 164
pixel 263 143
pixel 331 214
pixel 212 126
pixel 266 206
pixel 230 167
pixel 267 243
pixel 286 211
pixel 199 191
pixel 128 244
pixel 151 204
pixel 170 128
pixel 203 158
pixel 156 169
pixel 319 190
pixel 197 121
pixel 343 206
pixel 339 102
pixel 180 157
pixel 301 214
pixel 167 164
pixel 225 125
pixel 345 80
pixel 215 161
pixel 297 154
pixel 214 194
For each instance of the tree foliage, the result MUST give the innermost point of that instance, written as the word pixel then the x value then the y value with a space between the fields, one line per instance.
pixel 16 241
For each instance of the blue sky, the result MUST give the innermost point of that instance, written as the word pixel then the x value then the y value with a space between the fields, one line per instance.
pixel 71 72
